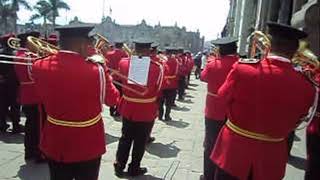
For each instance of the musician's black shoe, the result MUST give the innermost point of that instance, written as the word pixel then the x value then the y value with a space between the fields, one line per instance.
pixel 118 170
pixel 17 129
pixel 137 171
pixel 4 128
pixel 168 118
pixel 150 140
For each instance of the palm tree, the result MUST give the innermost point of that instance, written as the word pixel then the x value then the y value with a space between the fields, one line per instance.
pixel 16 7
pixel 43 10
pixel 56 5
pixel 5 12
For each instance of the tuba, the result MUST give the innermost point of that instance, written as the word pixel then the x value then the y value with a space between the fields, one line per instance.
pixel 259 41
pixel 308 62
pixel 40 47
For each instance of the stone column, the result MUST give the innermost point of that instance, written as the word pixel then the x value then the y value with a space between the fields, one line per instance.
pixel 247 23
pixel 274 6
pixel 285 12
pixel 297 4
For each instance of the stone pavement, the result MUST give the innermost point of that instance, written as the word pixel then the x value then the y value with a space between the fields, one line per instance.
pixel 175 155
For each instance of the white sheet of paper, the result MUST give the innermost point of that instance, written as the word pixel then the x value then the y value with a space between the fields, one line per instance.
pixel 139 70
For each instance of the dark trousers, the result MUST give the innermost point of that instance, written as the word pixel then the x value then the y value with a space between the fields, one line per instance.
pixel 290 141
pixel 135 133
pixel 32 130
pixel 113 109
pixel 167 99
pixel 313 161
pixel 188 80
pixel 86 170
pixel 181 87
pixel 222 175
pixel 8 106
pixel 212 129
pixel 197 72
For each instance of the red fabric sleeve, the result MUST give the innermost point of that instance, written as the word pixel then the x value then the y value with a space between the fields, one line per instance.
pixel 112 94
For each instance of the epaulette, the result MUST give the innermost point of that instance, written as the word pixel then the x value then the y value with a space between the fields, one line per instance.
pixel 249 60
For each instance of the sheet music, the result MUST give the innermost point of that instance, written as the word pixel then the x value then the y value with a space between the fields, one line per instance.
pixel 139 70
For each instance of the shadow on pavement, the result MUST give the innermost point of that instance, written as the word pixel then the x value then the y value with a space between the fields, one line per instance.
pixel 191 89
pixel 177 124
pixel 297 162
pixel 296 138
pixel 163 150
pixel 193 85
pixel 184 109
pixel 144 177
pixel 111 139
pixel 10 138
pixel 31 171
pixel 188 101
pixel 189 96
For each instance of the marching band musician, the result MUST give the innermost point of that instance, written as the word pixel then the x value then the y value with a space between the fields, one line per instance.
pixel 114 56
pixel 265 100
pixel 138 112
pixel 170 86
pixel 8 90
pixel 214 74
pixel 313 145
pixel 73 90
pixel 190 64
pixel 29 100
pixel 53 39
pixel 182 73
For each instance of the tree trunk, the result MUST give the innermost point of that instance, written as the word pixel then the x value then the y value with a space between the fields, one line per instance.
pixel 15 26
pixel 5 22
pixel 54 21
pixel 45 26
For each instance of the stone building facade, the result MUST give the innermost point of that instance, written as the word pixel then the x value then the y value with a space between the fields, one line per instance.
pixel 246 16
pixel 164 35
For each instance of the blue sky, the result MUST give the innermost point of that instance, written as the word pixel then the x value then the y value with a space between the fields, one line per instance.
pixel 209 16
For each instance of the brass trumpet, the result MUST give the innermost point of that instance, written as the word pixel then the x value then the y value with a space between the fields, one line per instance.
pixel 308 61
pixel 127 49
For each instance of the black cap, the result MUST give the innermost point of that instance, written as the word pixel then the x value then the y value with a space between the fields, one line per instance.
pixel 171 49
pixel 226 45
pixel 74 30
pixel 186 51
pixel 284 31
pixel 225 41
pixel 142 42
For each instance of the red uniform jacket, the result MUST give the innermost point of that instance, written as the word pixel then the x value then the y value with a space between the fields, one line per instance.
pixel 27 93
pixel 215 74
pixel 190 63
pixel 183 66
pixel 172 75
pixel 266 98
pixel 137 111
pixel 72 94
pixel 114 58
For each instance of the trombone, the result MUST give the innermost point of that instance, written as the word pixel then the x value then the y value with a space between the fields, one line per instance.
pixel 36 47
